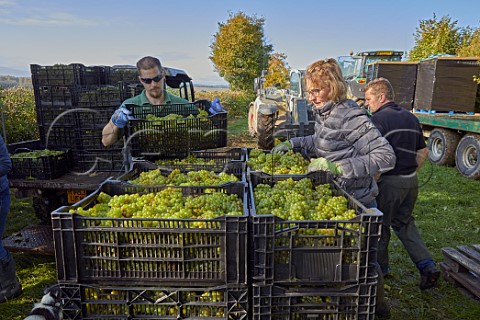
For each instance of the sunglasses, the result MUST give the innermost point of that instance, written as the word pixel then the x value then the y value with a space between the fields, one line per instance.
pixel 156 79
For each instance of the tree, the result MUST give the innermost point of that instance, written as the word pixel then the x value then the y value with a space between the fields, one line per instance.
pixel 470 46
pixel 278 71
pixel 18 108
pixel 239 50
pixel 435 37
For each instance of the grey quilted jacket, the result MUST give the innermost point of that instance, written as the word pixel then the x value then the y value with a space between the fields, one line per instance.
pixel 345 135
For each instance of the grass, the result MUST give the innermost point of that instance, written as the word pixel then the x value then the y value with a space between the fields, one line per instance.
pixel 447 213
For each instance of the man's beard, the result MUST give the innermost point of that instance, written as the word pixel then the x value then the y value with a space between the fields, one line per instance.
pixel 156 93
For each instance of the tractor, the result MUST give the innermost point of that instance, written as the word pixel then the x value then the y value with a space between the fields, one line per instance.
pixel 354 69
pixel 280 113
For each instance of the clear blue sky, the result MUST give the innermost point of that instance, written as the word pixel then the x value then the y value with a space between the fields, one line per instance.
pixel 180 32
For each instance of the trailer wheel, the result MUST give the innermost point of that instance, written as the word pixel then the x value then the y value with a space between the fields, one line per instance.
pixel 265 127
pixel 441 146
pixel 467 156
pixel 44 206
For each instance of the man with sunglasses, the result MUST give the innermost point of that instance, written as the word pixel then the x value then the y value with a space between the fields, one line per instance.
pixel 152 76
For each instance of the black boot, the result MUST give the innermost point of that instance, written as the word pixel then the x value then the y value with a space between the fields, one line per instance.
pixel 9 286
pixel 382 309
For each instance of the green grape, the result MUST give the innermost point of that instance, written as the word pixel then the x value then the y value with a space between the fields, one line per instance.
pixel 168 203
pixel 273 163
pixel 177 178
pixel 300 200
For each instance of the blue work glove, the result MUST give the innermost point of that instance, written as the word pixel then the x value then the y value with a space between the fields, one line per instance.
pixel 282 147
pixel 217 106
pixel 322 164
pixel 121 116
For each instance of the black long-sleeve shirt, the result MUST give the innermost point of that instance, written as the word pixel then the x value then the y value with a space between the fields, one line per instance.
pixel 402 129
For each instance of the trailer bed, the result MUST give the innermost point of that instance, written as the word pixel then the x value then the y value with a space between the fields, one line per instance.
pixel 461 122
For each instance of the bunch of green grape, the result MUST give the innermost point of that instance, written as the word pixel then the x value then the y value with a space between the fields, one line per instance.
pixel 37 154
pixel 166 204
pixel 190 159
pixel 275 163
pixel 299 200
pixel 177 178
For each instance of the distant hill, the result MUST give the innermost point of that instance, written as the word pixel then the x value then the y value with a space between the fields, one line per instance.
pixel 14 72
pixel 11 81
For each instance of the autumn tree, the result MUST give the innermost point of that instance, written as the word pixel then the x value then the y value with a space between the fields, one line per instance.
pixel 278 71
pixel 239 51
pixel 18 107
pixel 470 46
pixel 435 37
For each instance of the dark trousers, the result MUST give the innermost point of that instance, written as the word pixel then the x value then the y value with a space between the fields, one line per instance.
pixel 396 199
pixel 4 210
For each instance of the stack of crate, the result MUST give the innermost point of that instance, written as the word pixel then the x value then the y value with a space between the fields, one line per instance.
pixel 402 76
pixel 149 268
pixel 312 269
pixel 73 103
pixel 446 84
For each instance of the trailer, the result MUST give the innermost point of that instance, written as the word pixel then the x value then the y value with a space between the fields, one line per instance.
pixel 453 139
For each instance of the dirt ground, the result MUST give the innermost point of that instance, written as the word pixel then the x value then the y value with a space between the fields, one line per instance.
pixel 242 140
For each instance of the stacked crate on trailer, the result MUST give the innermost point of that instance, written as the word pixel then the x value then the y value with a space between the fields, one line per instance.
pixel 305 264
pixel 73 104
pixel 402 76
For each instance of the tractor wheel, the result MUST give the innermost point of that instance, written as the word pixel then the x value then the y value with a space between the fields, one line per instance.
pixel 467 156
pixel 44 206
pixel 265 127
pixel 441 146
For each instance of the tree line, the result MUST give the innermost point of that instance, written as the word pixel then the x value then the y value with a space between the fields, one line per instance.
pixel 11 81
pixel 239 50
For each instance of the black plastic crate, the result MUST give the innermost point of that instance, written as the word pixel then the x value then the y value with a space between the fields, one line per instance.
pixel 290 131
pixel 219 157
pixel 118 74
pixel 130 89
pixel 171 138
pixel 59 116
pixel 63 96
pixel 100 160
pixel 321 252
pixel 56 75
pixel 183 109
pixel 57 136
pixel 90 140
pixel 356 302
pixel 99 96
pixel 94 75
pixel 44 167
pixel 93 118
pixel 134 251
pixel 82 302
pixel 236 168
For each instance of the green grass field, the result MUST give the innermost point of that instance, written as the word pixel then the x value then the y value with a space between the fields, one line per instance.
pixel 447 213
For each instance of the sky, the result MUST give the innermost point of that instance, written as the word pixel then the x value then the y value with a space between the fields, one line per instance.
pixel 112 32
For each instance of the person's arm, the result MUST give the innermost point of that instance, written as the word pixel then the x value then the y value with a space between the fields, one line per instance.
pixel 5 162
pixel 376 155
pixel 421 157
pixel 306 143
pixel 110 134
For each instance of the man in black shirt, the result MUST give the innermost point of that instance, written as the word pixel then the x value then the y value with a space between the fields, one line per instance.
pixel 398 188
